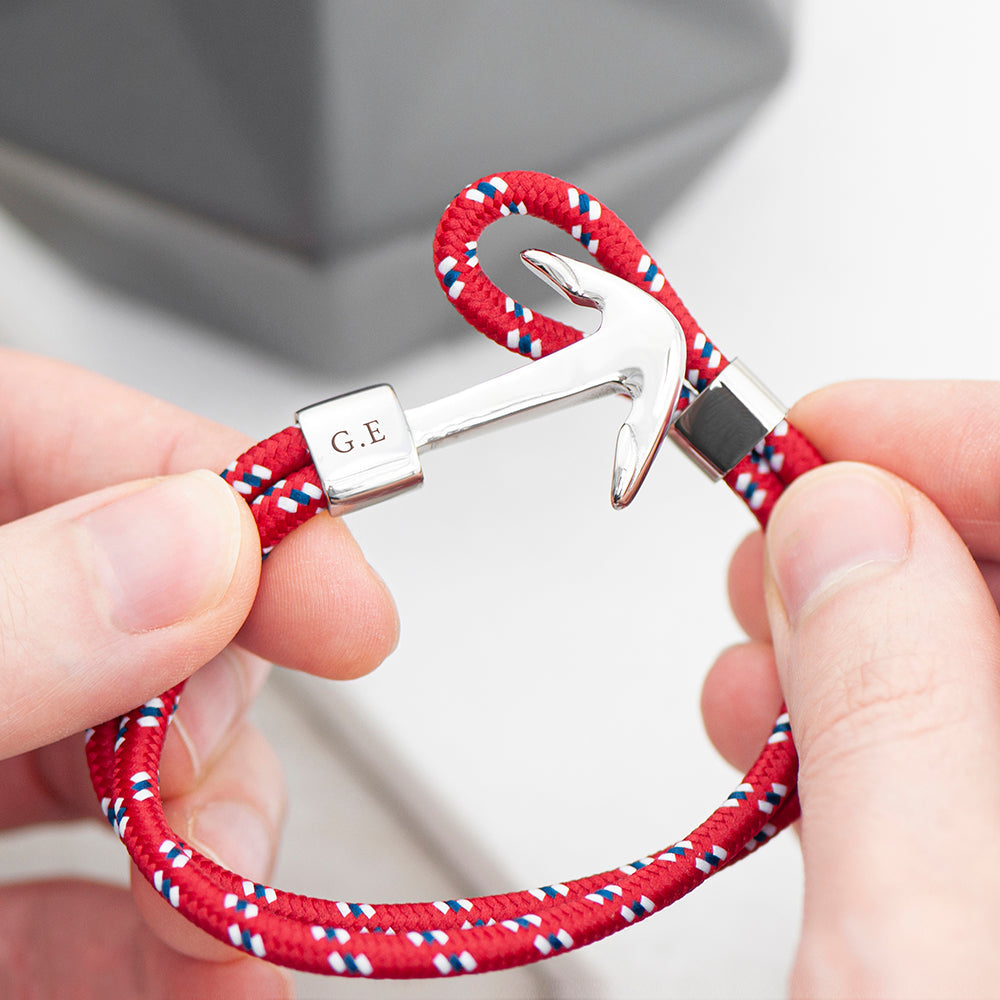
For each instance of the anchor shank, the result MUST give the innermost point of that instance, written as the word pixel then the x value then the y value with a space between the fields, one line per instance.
pixel 546 384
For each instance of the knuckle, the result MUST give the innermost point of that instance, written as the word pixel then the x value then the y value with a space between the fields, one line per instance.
pixel 887 695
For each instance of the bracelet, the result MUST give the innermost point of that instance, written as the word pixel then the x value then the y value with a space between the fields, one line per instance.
pixel 680 385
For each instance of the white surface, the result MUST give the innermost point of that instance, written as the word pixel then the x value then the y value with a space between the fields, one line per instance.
pixel 547 681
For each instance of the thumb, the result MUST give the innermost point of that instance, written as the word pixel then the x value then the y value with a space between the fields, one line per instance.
pixel 111 598
pixel 887 642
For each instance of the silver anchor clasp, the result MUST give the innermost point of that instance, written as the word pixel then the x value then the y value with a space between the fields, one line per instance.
pixel 365 446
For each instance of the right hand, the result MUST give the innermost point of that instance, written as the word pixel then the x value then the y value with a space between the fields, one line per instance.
pixel 871 610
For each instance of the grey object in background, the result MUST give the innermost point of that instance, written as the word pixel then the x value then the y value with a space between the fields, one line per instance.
pixel 275 171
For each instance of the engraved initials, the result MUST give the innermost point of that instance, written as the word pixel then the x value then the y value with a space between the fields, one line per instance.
pixel 343 443
pixel 346 446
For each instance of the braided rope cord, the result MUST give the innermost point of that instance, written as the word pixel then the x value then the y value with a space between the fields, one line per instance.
pixel 454 936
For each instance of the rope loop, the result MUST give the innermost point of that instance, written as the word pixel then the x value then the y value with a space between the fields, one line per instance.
pixel 605 237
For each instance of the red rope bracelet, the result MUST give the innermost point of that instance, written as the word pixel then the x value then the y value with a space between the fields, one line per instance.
pixel 454 936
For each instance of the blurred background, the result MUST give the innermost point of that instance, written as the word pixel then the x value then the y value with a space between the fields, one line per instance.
pixel 230 205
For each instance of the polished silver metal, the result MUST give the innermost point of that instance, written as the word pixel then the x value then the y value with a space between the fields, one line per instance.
pixel 361 446
pixel 727 420
pixel 638 350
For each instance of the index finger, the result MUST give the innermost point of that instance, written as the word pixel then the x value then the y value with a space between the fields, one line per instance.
pixel 67 431
pixel 940 436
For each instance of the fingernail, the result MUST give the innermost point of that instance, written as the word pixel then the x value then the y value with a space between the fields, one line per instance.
pixel 236 836
pixel 840 519
pixel 166 552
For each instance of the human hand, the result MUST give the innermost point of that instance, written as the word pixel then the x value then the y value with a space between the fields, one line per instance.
pixel 108 598
pixel 875 619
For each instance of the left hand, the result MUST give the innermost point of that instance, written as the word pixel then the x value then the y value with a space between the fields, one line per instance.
pixel 113 587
